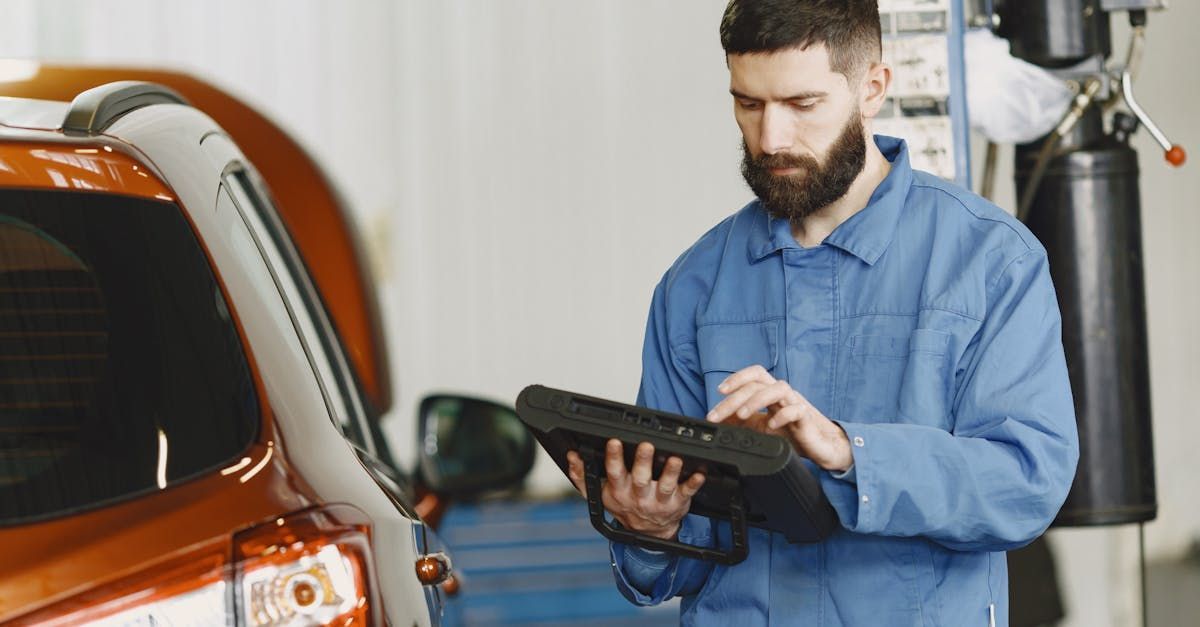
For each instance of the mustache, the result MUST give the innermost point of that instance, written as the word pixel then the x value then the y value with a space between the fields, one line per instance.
pixel 784 160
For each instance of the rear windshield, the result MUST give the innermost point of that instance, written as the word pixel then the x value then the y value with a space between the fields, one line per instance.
pixel 121 371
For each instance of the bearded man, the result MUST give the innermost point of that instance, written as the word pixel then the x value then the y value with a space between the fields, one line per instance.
pixel 900 331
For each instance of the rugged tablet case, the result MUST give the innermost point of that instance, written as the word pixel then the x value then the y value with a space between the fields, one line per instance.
pixel 751 478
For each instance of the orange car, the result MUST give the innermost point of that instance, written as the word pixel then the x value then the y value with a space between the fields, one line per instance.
pixel 192 374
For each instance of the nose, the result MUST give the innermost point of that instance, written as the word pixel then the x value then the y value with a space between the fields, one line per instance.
pixel 775 136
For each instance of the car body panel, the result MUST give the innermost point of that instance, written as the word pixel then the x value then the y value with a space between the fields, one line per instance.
pixel 72 165
pixel 309 440
pixel 52 561
pixel 301 457
pixel 49 561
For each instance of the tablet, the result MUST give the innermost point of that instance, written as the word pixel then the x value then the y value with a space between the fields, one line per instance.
pixel 751 478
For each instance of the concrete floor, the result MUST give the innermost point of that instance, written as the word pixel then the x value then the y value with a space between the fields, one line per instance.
pixel 1174 594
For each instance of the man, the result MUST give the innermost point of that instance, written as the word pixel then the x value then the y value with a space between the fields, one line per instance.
pixel 901 332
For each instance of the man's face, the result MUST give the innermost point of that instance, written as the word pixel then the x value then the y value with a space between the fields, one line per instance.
pixel 802 129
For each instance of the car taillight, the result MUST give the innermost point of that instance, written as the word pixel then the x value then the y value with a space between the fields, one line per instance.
pixel 310 568
pixel 313 568
pixel 321 588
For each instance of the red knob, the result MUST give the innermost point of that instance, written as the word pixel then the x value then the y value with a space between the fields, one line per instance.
pixel 433 569
pixel 1176 155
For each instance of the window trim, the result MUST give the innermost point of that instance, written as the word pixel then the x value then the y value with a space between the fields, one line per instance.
pixel 261 221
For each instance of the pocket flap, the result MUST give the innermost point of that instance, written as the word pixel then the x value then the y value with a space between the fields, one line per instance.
pixel 731 347
pixel 879 346
pixel 921 341
pixel 929 341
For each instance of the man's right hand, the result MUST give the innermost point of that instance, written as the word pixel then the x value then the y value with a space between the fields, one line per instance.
pixel 633 497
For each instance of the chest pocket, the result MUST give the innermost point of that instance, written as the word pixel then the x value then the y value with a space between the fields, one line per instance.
pixel 727 348
pixel 898 379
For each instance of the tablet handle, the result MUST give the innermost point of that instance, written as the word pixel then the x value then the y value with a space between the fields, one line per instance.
pixel 593 470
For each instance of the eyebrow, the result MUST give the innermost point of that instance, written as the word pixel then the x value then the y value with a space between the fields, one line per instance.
pixel 804 95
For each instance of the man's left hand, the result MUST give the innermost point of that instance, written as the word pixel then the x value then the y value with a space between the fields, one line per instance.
pixel 751 391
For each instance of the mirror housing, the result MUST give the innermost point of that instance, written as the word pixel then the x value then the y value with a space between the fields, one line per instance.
pixel 467 446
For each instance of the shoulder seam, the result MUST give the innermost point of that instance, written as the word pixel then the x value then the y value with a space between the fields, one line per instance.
pixel 1004 271
pixel 681 260
pixel 962 204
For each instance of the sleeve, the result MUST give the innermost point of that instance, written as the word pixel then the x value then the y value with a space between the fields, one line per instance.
pixel 999 478
pixel 671 381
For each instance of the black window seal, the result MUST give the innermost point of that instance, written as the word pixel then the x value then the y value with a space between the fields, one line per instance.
pixel 311 301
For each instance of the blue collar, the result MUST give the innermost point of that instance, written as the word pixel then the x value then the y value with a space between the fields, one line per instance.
pixel 865 234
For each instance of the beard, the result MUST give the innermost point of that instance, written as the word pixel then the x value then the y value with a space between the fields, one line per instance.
pixel 796 196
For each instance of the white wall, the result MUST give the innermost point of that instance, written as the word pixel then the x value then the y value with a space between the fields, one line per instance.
pixel 526 170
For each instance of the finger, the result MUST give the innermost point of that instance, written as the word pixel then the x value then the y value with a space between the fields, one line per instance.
pixel 739 396
pixel 792 414
pixel 575 472
pixel 757 422
pixel 669 480
pixel 778 392
pixel 796 399
pixel 643 466
pixel 614 462
pixel 689 488
pixel 745 375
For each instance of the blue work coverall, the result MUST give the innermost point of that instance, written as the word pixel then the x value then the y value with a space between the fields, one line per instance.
pixel 926 325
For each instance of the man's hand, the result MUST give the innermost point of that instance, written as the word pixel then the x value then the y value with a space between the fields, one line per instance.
pixel 637 501
pixel 750 391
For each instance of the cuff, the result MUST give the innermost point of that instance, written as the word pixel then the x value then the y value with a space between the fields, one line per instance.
pixel 643 567
pixel 850 492
pixel 848 475
pixel 647 577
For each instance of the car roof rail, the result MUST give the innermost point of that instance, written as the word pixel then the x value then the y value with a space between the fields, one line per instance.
pixel 95 109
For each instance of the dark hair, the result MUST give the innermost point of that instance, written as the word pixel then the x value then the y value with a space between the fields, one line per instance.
pixel 849 29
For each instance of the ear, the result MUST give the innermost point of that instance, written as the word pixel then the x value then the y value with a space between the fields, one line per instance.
pixel 873 89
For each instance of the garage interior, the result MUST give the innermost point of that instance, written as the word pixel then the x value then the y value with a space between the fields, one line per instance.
pixel 523 171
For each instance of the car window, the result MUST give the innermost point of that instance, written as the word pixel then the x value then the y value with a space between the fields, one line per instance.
pixel 121 370
pixel 309 317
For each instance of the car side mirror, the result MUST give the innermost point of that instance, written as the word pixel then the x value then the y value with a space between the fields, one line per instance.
pixel 470 445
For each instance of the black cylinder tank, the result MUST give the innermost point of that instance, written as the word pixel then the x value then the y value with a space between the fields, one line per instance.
pixel 1087 214
pixel 1055 33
